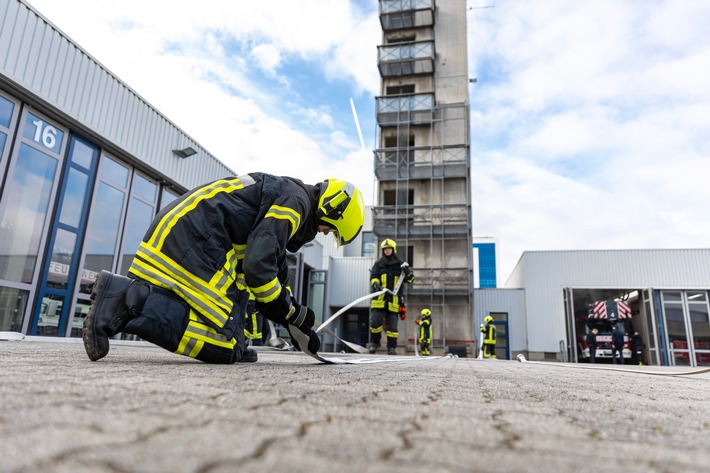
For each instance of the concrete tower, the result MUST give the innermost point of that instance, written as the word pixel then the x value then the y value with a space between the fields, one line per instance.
pixel 422 160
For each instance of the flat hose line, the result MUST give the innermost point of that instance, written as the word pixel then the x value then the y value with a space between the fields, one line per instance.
pixel 521 358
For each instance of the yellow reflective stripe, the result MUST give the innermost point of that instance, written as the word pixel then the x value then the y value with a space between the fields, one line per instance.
pixel 170 219
pixel 268 292
pixel 214 306
pixel 285 213
pixel 223 279
pixel 241 282
pixel 391 334
pixel 170 268
pixel 255 325
pixel 300 317
pixel 189 347
pixel 376 329
pixel 209 335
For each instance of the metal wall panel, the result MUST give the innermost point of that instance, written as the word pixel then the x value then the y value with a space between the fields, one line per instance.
pixel 56 74
pixel 511 301
pixel 349 279
pixel 544 274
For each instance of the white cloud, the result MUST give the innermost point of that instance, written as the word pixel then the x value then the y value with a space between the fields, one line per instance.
pixel 204 67
pixel 589 119
pixel 590 125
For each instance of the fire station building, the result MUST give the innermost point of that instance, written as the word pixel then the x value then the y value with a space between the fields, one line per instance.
pixel 548 304
pixel 86 163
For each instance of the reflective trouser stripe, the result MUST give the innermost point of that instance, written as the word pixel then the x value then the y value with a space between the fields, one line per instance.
pixel 255 326
pixel 376 329
pixel 197 334
pixel 392 334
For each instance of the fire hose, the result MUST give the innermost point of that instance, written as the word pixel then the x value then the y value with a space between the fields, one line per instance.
pixel 521 358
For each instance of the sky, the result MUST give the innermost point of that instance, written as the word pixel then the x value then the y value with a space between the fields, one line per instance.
pixel 590 120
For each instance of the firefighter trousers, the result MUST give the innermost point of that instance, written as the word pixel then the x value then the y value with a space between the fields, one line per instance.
pixel 169 322
pixel 377 317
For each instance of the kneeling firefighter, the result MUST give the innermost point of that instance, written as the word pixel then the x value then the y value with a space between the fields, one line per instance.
pixel 425 331
pixel 385 274
pixel 189 283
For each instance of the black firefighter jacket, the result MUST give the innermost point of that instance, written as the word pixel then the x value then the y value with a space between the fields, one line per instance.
pixel 216 241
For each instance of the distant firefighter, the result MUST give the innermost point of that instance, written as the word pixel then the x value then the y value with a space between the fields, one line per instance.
pixel 425 331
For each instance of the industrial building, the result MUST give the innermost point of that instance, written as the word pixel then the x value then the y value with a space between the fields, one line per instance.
pixel 85 164
pixel 544 309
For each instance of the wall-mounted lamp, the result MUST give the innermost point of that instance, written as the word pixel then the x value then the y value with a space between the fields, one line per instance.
pixel 184 153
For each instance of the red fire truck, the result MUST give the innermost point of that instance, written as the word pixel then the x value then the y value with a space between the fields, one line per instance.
pixel 604 315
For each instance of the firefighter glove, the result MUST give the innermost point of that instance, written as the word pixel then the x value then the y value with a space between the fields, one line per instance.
pixel 402 312
pixel 416 321
pixel 308 339
pixel 377 286
pixel 301 317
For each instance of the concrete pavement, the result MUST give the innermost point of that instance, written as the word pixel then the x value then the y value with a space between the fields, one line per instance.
pixel 142 409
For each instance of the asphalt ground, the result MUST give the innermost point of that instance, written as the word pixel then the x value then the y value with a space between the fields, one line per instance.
pixel 142 409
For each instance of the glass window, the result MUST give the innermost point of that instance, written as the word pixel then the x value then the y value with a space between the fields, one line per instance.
pixel 42 133
pixel 62 255
pixel 82 154
pixel 24 211
pixel 3 139
pixel 102 233
pixel 82 308
pixel 144 188
pixel 49 315
pixel 114 171
pixel 6 109
pixel 12 308
pixel 139 218
pixel 671 296
pixel 697 296
pixel 166 197
pixel 368 244
pixel 73 201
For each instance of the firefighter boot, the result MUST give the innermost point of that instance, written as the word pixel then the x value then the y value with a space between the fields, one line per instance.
pixel 116 300
pixel 249 355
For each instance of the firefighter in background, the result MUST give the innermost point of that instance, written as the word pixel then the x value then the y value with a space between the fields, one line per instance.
pixel 425 331
pixel 256 327
pixel 188 284
pixel 489 337
pixel 387 307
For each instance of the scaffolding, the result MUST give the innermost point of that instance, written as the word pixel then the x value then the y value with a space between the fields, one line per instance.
pixel 422 163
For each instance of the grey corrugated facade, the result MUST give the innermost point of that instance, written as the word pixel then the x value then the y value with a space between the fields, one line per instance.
pixel 349 280
pixel 510 301
pixel 545 274
pixel 45 68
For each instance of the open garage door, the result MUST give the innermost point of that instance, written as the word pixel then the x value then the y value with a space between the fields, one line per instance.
pixel 602 308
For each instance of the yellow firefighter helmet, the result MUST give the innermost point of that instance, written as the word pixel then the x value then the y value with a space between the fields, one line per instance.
pixel 341 207
pixel 389 243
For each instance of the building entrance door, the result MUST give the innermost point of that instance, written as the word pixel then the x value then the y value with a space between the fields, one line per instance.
pixel 500 320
